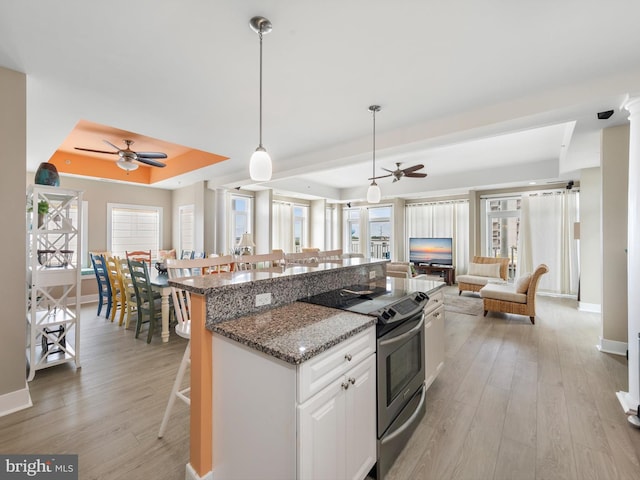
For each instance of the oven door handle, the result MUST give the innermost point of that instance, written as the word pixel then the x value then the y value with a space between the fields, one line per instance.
pixel 409 421
pixel 400 338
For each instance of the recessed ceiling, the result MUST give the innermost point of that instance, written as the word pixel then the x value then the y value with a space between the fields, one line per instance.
pixel 180 160
pixel 444 75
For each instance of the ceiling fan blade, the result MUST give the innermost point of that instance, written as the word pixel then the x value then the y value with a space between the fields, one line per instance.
pixel 95 151
pixel 387 170
pixel 415 175
pixel 382 176
pixel 151 155
pixel 148 161
pixel 112 145
pixel 412 169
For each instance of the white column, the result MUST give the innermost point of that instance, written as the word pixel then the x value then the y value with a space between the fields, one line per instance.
pixel 631 399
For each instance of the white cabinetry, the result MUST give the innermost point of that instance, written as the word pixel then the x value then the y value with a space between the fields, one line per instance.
pixel 275 420
pixel 434 336
pixel 337 426
pixel 53 276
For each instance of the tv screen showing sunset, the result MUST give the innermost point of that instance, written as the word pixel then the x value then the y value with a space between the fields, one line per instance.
pixel 430 250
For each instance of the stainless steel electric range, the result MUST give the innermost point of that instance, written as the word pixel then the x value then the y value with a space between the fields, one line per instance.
pixel 400 359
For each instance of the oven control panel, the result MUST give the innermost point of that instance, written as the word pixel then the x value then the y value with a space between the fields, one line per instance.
pixel 403 309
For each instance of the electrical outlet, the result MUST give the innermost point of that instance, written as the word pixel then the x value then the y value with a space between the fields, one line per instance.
pixel 263 299
pixel 372 275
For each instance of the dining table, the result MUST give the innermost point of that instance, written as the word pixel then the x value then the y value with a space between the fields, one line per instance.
pixel 160 283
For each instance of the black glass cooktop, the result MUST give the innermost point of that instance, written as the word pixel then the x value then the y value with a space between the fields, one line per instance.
pixel 366 299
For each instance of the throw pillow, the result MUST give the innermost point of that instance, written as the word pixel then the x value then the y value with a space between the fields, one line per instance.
pixel 522 284
pixel 485 269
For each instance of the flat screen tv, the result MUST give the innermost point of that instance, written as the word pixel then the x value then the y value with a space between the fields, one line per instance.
pixel 431 251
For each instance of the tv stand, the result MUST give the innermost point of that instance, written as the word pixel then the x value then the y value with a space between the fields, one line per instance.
pixel 448 272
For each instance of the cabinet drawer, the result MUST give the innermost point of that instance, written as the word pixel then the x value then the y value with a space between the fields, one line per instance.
pixel 321 370
pixel 435 300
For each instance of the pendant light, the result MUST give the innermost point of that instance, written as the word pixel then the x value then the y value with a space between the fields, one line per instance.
pixel 373 193
pixel 260 163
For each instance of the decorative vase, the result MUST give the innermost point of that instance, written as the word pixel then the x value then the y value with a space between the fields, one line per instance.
pixel 47 174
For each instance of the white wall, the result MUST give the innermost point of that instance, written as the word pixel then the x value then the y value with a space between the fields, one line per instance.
pixel 615 172
pixel 590 240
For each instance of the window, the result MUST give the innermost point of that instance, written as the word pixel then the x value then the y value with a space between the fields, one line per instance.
pixel 186 227
pixel 240 221
pixel 85 262
pixel 352 221
pixel 380 232
pixel 503 229
pixel 300 223
pixel 330 228
pixel 133 227
pixel 290 226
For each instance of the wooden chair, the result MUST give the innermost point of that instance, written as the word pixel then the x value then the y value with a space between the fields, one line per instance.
pixel 352 255
pixel 301 258
pixel 139 256
pixel 182 307
pixel 128 290
pixel 199 266
pixel 260 261
pixel 104 286
pixel 117 294
pixel 148 304
pixel 330 255
pixel 518 298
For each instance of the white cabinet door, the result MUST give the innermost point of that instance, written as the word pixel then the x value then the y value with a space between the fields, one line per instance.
pixel 434 344
pixel 361 419
pixel 321 434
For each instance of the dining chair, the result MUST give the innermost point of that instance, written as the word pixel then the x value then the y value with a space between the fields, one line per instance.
pixel 260 261
pixel 301 258
pixel 182 307
pixel 199 266
pixel 104 286
pixel 148 304
pixel 117 295
pixel 129 293
pixel 330 255
pixel 139 255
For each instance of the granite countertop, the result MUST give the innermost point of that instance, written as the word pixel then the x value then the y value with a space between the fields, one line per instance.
pixel 206 284
pixel 295 332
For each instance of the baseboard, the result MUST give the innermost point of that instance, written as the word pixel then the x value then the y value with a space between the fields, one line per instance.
pixel 612 346
pixel 190 474
pixel 14 401
pixel 629 406
pixel 590 307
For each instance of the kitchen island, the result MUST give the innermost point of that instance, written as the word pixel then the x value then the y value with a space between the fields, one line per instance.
pixel 285 334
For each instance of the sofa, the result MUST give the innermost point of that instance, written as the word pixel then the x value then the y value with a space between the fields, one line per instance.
pixel 483 270
pixel 518 298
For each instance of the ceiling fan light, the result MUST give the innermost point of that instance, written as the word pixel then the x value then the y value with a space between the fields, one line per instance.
pixel 127 165
pixel 373 193
pixel 260 165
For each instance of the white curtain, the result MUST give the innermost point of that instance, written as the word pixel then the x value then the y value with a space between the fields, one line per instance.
pixel 442 219
pixel 282 226
pixel 546 236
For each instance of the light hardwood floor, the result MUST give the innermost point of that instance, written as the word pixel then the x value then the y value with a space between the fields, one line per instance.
pixel 109 411
pixel 520 401
pixel 514 401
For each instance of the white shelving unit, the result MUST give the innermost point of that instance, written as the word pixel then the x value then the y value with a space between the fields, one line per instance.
pixel 53 277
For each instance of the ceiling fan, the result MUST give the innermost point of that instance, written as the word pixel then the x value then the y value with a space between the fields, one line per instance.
pixel 398 173
pixel 128 156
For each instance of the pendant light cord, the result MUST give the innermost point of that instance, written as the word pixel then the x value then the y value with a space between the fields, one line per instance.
pixel 260 35
pixel 374 148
